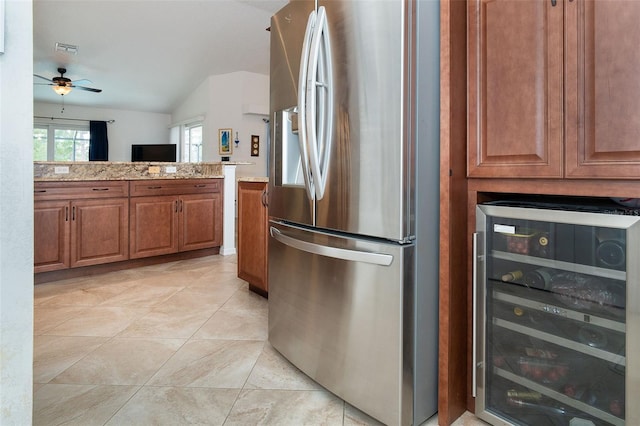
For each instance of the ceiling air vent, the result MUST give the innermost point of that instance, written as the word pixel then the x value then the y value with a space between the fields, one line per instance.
pixel 67 48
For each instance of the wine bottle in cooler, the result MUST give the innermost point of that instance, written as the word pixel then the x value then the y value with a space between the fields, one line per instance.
pixel 511 276
pixel 611 248
pixel 539 278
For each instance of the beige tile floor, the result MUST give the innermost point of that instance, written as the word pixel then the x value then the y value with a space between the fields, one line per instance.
pixel 179 343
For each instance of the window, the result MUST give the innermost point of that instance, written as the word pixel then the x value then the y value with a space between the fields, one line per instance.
pixel 192 143
pixel 188 136
pixel 60 143
pixel 40 144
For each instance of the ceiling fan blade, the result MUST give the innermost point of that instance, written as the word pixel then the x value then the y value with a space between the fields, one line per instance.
pixel 44 78
pixel 45 84
pixel 84 80
pixel 88 89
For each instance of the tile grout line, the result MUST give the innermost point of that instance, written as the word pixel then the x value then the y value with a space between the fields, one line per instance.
pixel 235 401
pixel 244 303
pixel 190 338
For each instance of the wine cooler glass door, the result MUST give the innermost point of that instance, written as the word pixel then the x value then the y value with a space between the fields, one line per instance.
pixel 553 318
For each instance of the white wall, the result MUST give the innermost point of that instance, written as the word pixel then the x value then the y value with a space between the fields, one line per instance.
pixel 130 127
pixel 16 215
pixel 196 104
pixel 223 100
pixel 255 108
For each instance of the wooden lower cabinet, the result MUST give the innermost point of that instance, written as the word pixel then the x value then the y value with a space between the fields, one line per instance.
pixel 99 231
pixel 169 224
pixel 153 226
pixel 51 235
pixel 253 223
pixel 174 221
pixel 200 221
pixel 80 224
pixel 83 223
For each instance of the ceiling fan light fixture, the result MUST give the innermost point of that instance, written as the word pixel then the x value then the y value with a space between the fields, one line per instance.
pixel 61 90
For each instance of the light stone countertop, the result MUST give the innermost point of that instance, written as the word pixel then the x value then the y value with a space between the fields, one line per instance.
pixel 109 170
pixel 253 179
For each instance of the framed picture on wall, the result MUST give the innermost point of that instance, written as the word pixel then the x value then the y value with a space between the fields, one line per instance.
pixel 225 147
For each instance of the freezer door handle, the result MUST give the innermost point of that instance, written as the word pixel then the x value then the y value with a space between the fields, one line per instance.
pixel 335 252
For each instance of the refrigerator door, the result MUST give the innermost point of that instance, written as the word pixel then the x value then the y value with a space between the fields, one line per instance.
pixel 369 178
pixel 340 310
pixel 289 198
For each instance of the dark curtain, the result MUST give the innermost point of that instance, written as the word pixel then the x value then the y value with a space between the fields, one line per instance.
pixel 98 142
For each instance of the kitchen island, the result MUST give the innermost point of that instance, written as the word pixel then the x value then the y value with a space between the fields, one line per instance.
pixel 96 216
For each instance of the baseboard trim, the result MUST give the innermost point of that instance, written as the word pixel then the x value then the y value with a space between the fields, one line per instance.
pixel 46 277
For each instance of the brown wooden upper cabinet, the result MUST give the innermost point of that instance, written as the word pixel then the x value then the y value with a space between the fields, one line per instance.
pixel 554 89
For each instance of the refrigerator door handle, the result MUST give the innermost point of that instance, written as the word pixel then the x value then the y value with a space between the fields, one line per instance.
pixel 335 252
pixel 319 108
pixel 302 104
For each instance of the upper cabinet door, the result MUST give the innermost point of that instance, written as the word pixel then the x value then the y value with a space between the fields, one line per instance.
pixel 603 89
pixel 515 88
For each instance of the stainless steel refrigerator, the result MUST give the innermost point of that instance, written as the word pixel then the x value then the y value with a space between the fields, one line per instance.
pixel 354 200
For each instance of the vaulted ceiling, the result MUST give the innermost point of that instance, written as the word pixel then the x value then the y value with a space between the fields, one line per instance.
pixel 147 55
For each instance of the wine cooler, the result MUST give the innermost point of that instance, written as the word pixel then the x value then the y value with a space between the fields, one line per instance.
pixel 556 314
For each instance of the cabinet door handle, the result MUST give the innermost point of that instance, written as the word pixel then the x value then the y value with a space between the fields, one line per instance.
pixel 180 206
pixel 99 189
pixel 73 213
pixel 265 198
pixel 66 214
pixel 176 206
pixel 40 190
pixel 154 187
pixel 200 185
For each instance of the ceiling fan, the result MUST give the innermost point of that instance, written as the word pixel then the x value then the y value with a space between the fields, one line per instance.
pixel 63 85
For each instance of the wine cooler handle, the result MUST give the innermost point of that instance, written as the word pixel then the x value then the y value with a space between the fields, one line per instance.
pixel 474 303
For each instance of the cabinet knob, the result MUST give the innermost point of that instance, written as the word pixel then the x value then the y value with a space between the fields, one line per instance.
pixel 554 2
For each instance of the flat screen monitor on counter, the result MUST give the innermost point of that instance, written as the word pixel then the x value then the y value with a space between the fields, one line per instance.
pixel 154 152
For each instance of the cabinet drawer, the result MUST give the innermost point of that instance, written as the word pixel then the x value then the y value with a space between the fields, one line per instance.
pixel 174 187
pixel 78 190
